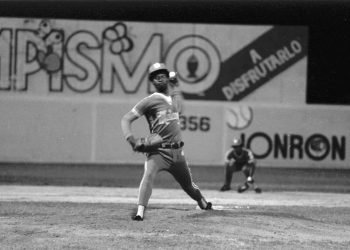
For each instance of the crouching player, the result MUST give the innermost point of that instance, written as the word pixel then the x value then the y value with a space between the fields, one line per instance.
pixel 239 158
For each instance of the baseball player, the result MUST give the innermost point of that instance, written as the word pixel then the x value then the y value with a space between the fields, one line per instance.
pixel 161 110
pixel 239 158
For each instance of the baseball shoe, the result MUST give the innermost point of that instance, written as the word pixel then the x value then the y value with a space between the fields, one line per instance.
pixel 204 205
pixel 243 188
pixel 137 218
pixel 258 190
pixel 225 188
pixel 209 206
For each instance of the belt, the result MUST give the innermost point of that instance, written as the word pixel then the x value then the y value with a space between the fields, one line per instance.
pixel 173 145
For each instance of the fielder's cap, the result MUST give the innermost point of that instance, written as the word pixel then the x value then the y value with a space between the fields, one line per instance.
pixel 157 68
pixel 236 142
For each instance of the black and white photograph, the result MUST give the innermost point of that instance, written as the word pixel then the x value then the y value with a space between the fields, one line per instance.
pixel 174 124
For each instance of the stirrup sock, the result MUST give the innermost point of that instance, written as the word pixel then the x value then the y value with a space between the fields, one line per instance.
pixel 140 210
pixel 202 203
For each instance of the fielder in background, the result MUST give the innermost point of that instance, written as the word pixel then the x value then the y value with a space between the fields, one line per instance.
pixel 163 148
pixel 239 158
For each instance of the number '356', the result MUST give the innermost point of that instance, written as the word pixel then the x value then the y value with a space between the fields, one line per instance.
pixel 194 123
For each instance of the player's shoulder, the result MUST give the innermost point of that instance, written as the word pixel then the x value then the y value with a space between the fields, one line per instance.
pixel 230 153
pixel 155 96
pixel 248 150
pixel 143 104
pixel 149 99
pixel 160 98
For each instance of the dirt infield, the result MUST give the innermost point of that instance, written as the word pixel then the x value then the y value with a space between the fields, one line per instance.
pixel 54 217
pixel 168 196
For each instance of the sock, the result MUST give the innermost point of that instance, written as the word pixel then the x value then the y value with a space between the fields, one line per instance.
pixel 140 210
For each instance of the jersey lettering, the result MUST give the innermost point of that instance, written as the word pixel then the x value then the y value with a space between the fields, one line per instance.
pixel 162 116
pixel 165 116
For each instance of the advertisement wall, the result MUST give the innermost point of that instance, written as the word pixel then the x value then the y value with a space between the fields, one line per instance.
pixel 284 136
pixel 65 85
pixel 77 59
pixel 289 135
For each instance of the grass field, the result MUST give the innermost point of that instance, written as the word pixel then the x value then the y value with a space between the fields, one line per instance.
pixel 52 217
pixel 208 177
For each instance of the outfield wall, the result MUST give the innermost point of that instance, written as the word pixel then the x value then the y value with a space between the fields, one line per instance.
pixel 65 84
pixel 89 132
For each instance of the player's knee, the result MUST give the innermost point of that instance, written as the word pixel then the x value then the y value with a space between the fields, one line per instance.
pixel 246 173
pixel 148 179
pixel 253 166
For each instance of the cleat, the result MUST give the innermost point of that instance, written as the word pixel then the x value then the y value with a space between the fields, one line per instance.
pixel 225 188
pixel 204 205
pixel 243 188
pixel 137 218
pixel 209 206
pixel 258 190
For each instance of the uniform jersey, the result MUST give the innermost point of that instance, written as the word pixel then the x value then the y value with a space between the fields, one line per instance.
pixel 245 157
pixel 162 115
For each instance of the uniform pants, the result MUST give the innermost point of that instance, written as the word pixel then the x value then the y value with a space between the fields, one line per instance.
pixel 173 161
pixel 247 169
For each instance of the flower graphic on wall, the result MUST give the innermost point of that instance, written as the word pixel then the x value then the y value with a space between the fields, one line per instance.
pixel 118 39
pixel 48 55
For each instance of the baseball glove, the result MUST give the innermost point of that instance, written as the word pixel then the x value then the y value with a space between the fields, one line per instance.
pixel 148 144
